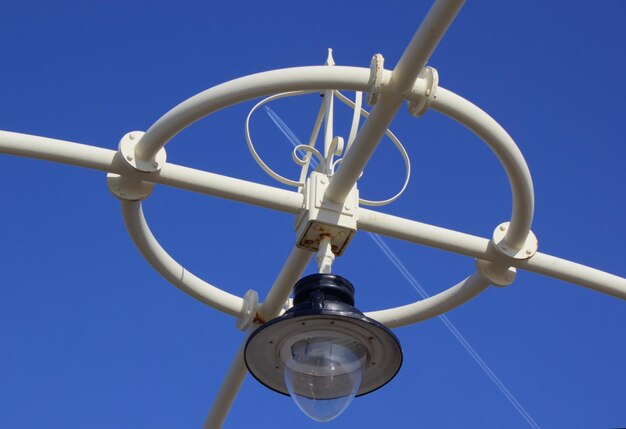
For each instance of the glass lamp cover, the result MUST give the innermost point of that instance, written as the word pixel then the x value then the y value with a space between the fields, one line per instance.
pixel 323 374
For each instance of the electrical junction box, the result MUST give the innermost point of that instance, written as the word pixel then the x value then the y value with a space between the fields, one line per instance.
pixel 321 218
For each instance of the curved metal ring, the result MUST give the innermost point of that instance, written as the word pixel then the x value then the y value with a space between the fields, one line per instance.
pixel 348 78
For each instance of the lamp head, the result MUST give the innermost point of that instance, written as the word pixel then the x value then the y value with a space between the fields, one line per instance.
pixel 323 351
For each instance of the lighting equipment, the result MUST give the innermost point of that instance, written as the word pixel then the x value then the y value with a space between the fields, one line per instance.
pixel 323 351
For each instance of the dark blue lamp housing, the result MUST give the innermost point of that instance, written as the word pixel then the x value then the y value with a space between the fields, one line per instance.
pixel 323 351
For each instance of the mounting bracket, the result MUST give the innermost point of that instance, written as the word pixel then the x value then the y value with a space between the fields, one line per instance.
pixel 321 218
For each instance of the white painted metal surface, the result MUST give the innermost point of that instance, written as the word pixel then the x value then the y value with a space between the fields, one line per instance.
pixel 393 88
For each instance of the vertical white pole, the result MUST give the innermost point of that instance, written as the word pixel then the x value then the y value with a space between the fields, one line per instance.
pixel 329 107
pixel 277 296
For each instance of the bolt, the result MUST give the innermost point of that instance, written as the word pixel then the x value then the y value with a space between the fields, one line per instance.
pixel 129 157
pixel 502 228
pixel 529 252
pixel 323 180
pixel 131 136
pixel 155 164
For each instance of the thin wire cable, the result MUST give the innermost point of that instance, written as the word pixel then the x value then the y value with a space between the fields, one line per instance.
pixel 454 331
pixel 422 292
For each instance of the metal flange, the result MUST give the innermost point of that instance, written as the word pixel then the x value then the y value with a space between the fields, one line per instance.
pixel 418 107
pixel 527 251
pixel 129 188
pixel 498 275
pixel 249 310
pixel 375 84
pixel 127 149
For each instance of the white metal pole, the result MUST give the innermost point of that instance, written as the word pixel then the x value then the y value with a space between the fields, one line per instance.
pixel 228 391
pixel 278 199
pixel 480 248
pixel 172 270
pixel 284 283
pixel 423 233
pixel 432 306
pixel 413 60
pixel 277 296
pixel 80 155
pixel 492 133
pixel 230 188
pixel 579 274
pixel 329 107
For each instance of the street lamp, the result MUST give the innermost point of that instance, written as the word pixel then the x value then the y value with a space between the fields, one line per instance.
pixel 323 351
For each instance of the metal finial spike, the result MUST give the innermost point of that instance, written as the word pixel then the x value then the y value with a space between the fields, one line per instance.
pixel 330 61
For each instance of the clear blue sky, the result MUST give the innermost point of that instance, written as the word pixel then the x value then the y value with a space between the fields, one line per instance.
pixel 92 337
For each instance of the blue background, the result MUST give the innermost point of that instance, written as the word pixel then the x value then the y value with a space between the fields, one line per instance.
pixel 92 337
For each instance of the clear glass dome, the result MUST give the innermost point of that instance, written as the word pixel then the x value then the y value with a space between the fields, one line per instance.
pixel 323 374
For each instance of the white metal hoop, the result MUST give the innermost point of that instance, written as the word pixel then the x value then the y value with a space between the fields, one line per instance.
pixel 349 78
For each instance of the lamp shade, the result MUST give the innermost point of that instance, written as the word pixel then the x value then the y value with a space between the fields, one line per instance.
pixel 323 351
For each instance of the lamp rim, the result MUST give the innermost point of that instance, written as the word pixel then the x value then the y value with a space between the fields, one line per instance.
pixel 263 347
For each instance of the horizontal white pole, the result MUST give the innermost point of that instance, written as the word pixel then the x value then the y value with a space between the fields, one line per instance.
pixel 579 274
pixel 480 248
pixel 172 270
pixel 423 233
pixel 177 176
pixel 432 306
pixel 101 159
pixel 227 187
pixel 65 152
pixel 403 77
